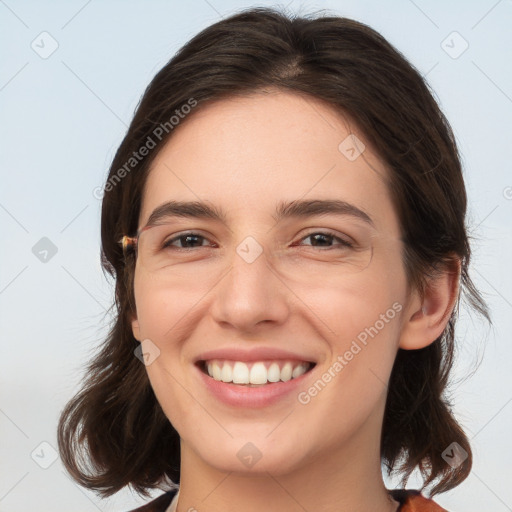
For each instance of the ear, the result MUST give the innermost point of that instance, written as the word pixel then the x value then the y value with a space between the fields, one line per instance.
pixel 135 328
pixel 426 317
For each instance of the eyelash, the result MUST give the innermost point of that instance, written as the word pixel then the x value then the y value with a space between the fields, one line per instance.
pixel 343 243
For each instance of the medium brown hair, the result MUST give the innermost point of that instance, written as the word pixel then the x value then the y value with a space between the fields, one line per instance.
pixel 114 432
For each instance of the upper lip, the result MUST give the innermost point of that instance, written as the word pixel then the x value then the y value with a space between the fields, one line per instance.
pixel 255 354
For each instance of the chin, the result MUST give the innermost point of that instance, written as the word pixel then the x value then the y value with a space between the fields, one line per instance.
pixel 253 455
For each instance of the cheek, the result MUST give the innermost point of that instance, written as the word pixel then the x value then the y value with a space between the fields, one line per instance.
pixel 360 321
pixel 349 305
pixel 160 316
pixel 163 310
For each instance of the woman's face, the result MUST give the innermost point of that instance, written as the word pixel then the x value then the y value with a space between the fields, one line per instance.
pixel 270 291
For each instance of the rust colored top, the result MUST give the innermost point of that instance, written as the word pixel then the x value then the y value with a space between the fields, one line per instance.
pixel 410 500
pixel 413 501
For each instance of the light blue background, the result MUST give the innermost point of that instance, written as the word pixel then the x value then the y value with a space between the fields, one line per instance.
pixel 62 120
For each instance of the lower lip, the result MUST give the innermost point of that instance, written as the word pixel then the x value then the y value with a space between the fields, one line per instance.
pixel 246 396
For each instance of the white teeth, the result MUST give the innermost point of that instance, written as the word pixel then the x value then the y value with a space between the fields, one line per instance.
pixel 240 373
pixel 286 372
pixel 274 373
pixel 258 374
pixel 255 373
pixel 216 370
pixel 226 374
pixel 299 370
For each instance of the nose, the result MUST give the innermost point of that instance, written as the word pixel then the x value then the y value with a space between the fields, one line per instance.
pixel 250 294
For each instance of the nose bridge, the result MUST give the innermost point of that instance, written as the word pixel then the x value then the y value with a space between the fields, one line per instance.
pixel 250 292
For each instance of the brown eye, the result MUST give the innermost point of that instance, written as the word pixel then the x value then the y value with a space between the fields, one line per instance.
pixel 187 241
pixel 324 239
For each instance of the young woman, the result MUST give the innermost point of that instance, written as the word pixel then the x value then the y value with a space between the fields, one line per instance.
pixel 285 223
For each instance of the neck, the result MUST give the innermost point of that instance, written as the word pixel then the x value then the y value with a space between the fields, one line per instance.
pixel 348 479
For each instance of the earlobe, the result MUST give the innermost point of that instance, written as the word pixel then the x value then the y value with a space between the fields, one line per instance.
pixel 428 316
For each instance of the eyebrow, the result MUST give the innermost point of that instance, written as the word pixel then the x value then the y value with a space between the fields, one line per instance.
pixel 284 210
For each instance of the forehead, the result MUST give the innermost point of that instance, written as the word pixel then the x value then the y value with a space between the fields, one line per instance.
pixel 248 154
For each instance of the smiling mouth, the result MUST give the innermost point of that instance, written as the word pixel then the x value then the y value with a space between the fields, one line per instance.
pixel 254 373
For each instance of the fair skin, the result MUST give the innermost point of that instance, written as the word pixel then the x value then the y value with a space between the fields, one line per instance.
pixel 244 156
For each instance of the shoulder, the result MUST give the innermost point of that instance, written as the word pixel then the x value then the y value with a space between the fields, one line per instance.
pixel 159 504
pixel 411 500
